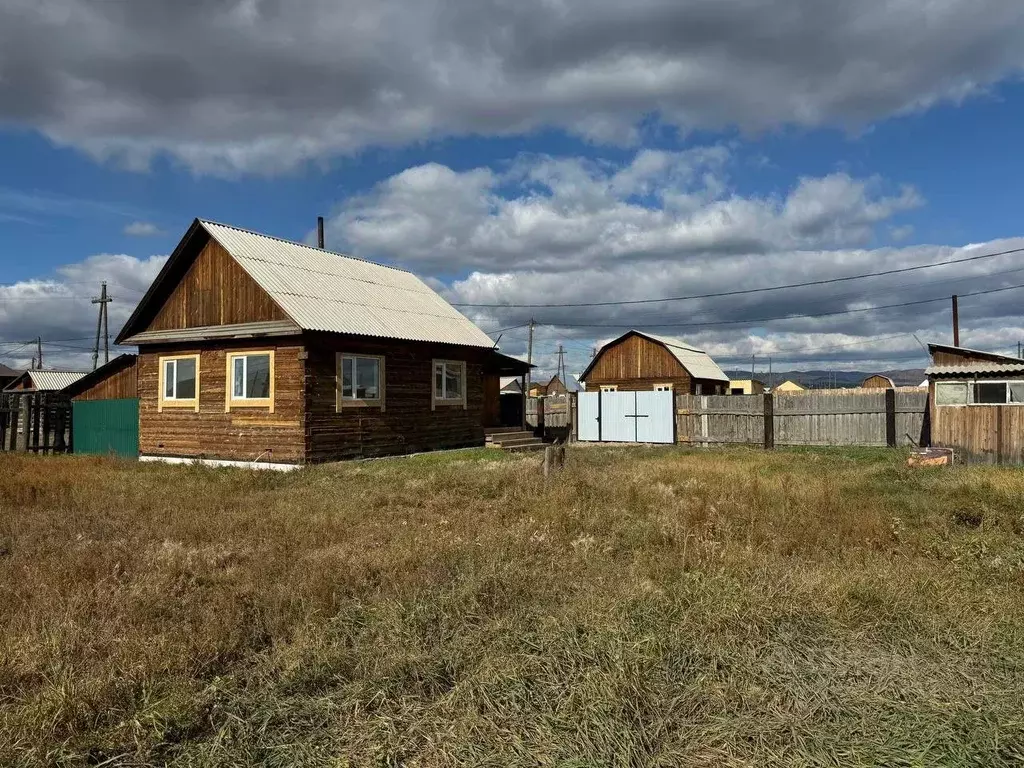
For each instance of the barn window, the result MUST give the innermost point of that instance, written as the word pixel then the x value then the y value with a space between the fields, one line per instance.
pixel 979 393
pixel 989 393
pixel 951 393
pixel 250 377
pixel 179 382
pixel 360 381
pixel 609 387
pixel 449 382
pixel 662 387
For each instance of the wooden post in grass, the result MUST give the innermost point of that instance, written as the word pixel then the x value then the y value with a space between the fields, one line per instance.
pixel 890 418
pixel 769 421
pixel 554 458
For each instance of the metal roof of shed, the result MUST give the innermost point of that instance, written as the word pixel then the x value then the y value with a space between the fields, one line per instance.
pixel 696 361
pixel 47 381
pixel 325 291
pixel 974 369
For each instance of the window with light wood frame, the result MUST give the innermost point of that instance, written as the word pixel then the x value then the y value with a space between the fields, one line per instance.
pixel 249 380
pixel 360 381
pixel 609 387
pixel 448 383
pixel 178 382
pixel 663 387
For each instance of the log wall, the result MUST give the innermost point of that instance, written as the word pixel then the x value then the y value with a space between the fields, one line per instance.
pixel 243 434
pixel 406 423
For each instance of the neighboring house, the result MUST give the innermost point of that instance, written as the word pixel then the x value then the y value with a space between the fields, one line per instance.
pixel 788 386
pixel 746 387
pixel 43 381
pixel 557 387
pixel 256 349
pixel 511 385
pixel 878 381
pixel 105 409
pixel 537 390
pixel 644 361
pixel 974 404
pixel 39 405
pixel 8 375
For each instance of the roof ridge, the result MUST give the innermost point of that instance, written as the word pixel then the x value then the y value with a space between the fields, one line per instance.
pixel 204 222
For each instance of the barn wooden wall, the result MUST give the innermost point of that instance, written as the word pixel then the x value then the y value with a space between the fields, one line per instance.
pixel 980 434
pixel 215 291
pixel 242 434
pixel 123 384
pixel 407 423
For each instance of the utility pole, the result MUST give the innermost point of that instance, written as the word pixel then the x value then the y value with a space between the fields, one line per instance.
pixel 561 364
pixel 771 377
pixel 101 323
pixel 39 351
pixel 529 356
pixel 1018 350
pixel 752 370
pixel 956 322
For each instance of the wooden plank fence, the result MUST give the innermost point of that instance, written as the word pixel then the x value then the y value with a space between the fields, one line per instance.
pixel 35 422
pixel 859 418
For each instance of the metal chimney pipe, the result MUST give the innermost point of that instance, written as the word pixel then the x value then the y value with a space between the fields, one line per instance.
pixel 320 232
pixel 956 322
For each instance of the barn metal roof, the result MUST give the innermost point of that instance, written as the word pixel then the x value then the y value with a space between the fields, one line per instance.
pixel 696 361
pixel 974 369
pixel 47 381
pixel 325 291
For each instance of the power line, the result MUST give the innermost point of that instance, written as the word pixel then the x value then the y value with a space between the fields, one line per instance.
pixel 747 291
pixel 806 315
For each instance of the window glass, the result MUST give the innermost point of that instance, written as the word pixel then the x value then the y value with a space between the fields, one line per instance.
pixel 951 393
pixel 346 376
pixel 991 392
pixel 169 380
pixel 366 377
pixel 1016 391
pixel 238 390
pixel 257 377
pixel 360 378
pixel 185 379
pixel 452 381
pixel 439 380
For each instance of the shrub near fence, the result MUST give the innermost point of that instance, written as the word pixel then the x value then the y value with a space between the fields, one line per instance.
pixel 852 417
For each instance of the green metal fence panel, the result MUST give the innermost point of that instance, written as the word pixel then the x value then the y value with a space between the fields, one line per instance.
pixel 107 427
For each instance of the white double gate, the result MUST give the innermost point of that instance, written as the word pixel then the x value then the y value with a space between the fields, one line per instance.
pixel 626 417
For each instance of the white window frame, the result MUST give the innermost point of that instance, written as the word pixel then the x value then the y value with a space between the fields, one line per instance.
pixel 970 388
pixel 230 400
pixel 608 387
pixel 443 400
pixel 175 402
pixel 341 402
pixel 664 387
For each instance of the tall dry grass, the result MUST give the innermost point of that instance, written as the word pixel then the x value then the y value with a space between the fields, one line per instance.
pixel 645 608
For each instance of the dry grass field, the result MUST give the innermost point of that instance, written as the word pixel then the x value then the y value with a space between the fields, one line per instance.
pixel 647 607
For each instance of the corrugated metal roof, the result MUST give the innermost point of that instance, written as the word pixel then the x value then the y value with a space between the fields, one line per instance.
pixel 51 381
pixel 234 331
pixel 324 291
pixel 973 369
pixel 696 361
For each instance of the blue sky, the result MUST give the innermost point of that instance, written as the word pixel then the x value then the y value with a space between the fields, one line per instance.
pixel 565 154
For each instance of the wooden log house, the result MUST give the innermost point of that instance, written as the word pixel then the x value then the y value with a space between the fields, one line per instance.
pixel 260 351
pixel 638 361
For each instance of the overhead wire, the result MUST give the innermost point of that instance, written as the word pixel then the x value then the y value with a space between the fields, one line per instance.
pixel 747 291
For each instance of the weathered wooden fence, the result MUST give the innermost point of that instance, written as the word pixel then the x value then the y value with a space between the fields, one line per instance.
pixel 35 422
pixel 553 411
pixel 862 417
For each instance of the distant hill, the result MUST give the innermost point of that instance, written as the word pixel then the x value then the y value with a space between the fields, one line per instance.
pixel 908 377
